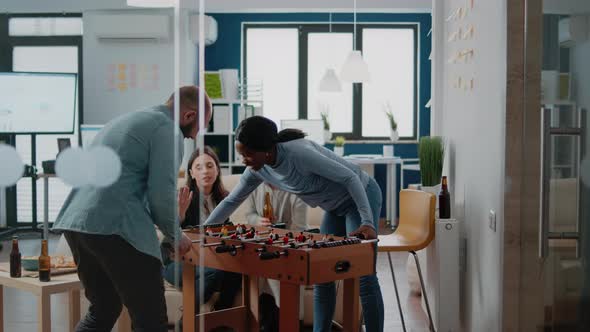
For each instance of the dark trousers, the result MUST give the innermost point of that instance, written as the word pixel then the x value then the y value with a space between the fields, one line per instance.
pixel 115 273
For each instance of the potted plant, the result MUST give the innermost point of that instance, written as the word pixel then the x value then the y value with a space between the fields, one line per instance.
pixel 431 152
pixel 339 145
pixel 324 114
pixel 393 135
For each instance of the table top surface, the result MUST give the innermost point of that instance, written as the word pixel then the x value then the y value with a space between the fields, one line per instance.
pixel 58 282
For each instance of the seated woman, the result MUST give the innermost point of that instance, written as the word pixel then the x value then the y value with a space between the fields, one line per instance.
pixel 289 209
pixel 203 176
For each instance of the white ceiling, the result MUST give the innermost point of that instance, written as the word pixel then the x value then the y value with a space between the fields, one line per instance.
pixel 28 6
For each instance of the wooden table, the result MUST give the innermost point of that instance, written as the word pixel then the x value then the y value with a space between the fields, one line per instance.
pixel 59 284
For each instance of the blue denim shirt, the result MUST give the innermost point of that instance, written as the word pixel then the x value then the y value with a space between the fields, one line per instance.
pixel 144 194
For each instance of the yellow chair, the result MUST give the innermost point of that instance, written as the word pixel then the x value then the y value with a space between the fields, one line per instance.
pixel 414 232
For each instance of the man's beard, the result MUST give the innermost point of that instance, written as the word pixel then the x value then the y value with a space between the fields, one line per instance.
pixel 187 130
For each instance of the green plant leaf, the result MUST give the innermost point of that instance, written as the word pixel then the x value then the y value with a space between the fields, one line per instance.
pixel 431 152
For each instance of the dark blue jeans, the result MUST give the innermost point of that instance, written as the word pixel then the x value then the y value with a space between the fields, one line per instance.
pixel 226 283
pixel 370 291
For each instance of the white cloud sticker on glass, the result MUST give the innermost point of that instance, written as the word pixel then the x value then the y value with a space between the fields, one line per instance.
pixel 98 166
pixel 11 167
pixel 106 166
pixel 72 167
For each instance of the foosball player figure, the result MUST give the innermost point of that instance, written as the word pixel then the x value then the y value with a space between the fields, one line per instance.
pixel 250 234
pixel 269 241
pixel 286 239
pixel 301 237
pixel 240 229
pixel 234 236
pixel 224 231
pixel 208 231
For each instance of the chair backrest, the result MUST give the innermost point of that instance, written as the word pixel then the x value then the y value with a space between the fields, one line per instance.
pixel 416 219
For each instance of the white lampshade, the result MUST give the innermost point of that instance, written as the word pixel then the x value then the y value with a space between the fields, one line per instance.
pixel 355 69
pixel 330 82
pixel 151 3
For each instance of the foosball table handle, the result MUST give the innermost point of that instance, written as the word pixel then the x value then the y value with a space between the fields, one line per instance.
pixel 269 255
pixel 280 225
pixel 266 255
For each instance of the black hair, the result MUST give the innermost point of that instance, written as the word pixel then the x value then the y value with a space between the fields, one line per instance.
pixel 260 134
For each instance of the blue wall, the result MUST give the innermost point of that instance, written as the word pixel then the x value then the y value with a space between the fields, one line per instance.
pixel 225 53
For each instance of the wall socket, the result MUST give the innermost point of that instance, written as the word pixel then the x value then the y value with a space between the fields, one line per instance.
pixel 492 220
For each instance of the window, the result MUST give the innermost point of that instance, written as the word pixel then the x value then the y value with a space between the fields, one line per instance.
pixel 45 26
pixel 41 43
pixel 271 57
pixel 328 50
pixel 59 59
pixel 392 52
pixel 357 112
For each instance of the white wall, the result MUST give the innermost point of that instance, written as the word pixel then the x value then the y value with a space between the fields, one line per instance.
pixel 101 103
pixel 473 123
pixel 225 5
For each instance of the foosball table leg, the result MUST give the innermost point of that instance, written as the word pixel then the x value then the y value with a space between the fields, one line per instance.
pixel 188 298
pixel 250 295
pixel 289 312
pixel 351 305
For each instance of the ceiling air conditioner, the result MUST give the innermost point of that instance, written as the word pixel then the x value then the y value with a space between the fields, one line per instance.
pixel 572 30
pixel 132 27
pixel 210 29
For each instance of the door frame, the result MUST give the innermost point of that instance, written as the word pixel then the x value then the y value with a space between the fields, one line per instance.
pixel 522 281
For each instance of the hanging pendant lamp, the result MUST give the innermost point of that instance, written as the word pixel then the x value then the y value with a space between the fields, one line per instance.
pixel 355 69
pixel 330 81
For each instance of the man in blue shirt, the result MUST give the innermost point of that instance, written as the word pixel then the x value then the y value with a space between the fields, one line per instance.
pixel 111 230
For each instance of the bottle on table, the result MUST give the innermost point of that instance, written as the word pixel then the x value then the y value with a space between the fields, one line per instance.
pixel 444 200
pixel 267 211
pixel 44 263
pixel 15 259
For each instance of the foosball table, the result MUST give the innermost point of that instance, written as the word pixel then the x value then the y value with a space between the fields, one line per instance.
pixel 293 258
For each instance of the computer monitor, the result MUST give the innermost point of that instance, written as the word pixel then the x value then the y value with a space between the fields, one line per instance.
pixel 62 144
pixel 37 103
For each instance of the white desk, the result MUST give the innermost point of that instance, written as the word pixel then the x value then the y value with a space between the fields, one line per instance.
pixel 67 283
pixel 390 188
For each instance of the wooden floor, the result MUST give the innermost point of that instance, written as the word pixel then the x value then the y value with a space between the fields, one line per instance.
pixel 20 308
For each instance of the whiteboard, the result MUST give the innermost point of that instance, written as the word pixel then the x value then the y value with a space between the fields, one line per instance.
pixel 314 129
pixel 37 103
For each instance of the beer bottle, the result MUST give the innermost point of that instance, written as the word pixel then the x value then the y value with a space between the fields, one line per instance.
pixel 444 200
pixel 267 211
pixel 44 263
pixel 15 259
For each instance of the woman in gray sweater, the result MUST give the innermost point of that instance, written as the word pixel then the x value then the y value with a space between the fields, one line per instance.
pixel 351 199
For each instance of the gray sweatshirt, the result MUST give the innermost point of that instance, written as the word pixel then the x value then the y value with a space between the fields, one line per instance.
pixel 315 174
